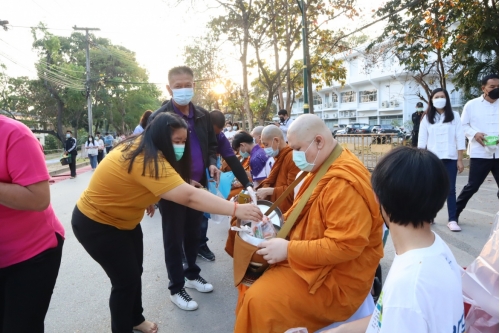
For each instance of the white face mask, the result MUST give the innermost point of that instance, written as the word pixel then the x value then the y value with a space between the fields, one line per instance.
pixel 439 103
pixel 235 128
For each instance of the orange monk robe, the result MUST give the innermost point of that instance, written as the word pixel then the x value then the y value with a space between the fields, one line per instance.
pixel 282 175
pixel 333 253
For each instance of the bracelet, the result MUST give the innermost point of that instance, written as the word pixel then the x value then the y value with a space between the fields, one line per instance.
pixel 235 205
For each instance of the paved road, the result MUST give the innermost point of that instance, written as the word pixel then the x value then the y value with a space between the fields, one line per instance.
pixel 80 300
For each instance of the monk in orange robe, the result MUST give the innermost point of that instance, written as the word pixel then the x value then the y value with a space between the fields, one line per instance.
pixel 257 133
pixel 284 170
pixel 324 270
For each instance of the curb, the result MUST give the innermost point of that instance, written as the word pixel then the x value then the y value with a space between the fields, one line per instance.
pixel 66 169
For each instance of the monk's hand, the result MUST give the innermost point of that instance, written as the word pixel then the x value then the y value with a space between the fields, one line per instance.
pixel 214 172
pixel 150 211
pixel 274 250
pixel 263 193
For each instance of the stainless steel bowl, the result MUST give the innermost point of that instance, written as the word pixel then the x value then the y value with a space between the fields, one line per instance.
pixel 275 216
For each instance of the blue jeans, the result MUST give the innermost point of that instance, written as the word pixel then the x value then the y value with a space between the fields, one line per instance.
pixel 93 161
pixel 452 169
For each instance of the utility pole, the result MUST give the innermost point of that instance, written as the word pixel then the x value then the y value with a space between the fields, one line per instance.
pixel 87 53
pixel 3 24
pixel 304 48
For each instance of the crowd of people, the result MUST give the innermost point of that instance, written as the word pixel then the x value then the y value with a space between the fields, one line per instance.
pixel 319 274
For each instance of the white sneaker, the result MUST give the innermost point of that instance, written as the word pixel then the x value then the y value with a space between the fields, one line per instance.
pixel 199 284
pixel 184 301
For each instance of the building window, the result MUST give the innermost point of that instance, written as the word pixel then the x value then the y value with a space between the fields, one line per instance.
pixel 391 120
pixel 367 96
pixel 348 97
pixel 335 98
pixel 317 99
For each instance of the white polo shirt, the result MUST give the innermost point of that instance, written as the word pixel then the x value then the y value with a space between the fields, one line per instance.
pixel 443 139
pixel 479 115
pixel 284 127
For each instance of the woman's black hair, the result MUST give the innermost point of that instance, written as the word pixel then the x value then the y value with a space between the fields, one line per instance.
pixel 411 185
pixel 156 140
pixel 239 138
pixel 431 110
pixel 88 140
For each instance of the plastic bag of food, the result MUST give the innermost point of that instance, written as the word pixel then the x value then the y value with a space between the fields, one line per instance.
pixel 480 287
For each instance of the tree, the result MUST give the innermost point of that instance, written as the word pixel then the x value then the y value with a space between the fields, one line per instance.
pixel 420 37
pixel 119 86
pixel 203 57
pixel 237 25
pixel 474 48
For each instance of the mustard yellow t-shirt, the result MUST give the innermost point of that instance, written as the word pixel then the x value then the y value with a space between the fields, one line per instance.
pixel 118 198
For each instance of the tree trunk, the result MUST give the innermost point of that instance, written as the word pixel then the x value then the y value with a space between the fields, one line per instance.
pixel 281 104
pixel 309 69
pixel 244 64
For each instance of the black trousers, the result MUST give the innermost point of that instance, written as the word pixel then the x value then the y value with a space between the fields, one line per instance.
pixel 414 138
pixel 72 165
pixel 26 289
pixel 120 254
pixel 479 170
pixel 100 155
pixel 181 225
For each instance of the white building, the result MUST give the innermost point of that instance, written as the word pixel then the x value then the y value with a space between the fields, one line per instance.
pixel 381 95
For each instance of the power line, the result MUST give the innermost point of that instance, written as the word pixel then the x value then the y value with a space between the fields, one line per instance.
pixel 25 27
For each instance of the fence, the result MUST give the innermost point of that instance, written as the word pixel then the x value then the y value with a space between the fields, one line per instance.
pixel 370 148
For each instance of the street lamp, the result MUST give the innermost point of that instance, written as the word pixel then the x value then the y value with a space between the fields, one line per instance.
pixel 304 49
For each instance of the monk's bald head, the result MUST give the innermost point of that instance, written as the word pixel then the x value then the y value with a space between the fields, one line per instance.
pixel 257 133
pixel 310 134
pixel 272 136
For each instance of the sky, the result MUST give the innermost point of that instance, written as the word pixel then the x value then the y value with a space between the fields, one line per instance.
pixel 156 30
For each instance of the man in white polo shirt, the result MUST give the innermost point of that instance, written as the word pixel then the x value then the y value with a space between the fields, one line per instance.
pixel 480 120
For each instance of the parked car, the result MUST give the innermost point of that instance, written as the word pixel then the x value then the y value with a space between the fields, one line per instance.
pixel 337 128
pixel 352 128
pixel 388 129
pixel 341 131
pixel 364 130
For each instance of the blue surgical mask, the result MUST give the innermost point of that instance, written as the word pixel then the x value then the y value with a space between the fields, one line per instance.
pixel 244 154
pixel 300 160
pixel 68 135
pixel 270 151
pixel 179 151
pixel 182 96
pixel 235 128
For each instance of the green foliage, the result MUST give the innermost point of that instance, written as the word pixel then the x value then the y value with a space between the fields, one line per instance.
pixel 204 58
pixel 434 39
pixel 475 45
pixel 57 99
pixel 51 143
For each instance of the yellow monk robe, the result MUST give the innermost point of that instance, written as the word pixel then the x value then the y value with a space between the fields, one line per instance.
pixel 333 253
pixel 282 175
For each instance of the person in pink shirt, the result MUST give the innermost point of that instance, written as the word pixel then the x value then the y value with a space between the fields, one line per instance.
pixel 31 236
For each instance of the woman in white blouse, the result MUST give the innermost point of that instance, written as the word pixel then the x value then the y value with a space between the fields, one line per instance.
pixel 441 132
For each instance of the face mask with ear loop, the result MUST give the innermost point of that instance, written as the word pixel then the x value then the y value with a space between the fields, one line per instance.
pixel 300 159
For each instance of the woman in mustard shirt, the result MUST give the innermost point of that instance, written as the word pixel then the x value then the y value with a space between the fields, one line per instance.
pixel 131 179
